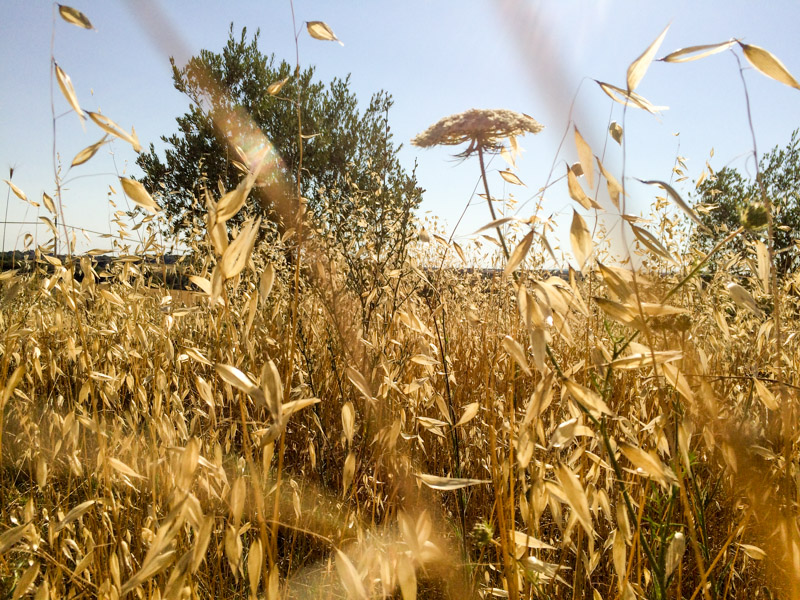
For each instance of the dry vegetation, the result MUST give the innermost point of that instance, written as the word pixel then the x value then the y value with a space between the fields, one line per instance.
pixel 432 433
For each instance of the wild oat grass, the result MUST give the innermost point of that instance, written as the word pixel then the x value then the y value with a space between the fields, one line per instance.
pixel 426 431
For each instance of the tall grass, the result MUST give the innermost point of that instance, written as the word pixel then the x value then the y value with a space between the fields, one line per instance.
pixel 426 431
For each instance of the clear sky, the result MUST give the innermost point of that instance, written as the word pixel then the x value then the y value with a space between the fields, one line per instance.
pixel 436 57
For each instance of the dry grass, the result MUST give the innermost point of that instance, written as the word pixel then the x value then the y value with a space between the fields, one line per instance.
pixel 429 433
pixel 131 464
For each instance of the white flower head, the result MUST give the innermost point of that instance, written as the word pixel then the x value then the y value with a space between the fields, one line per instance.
pixel 484 129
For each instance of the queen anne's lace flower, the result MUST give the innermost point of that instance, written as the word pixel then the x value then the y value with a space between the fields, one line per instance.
pixel 484 129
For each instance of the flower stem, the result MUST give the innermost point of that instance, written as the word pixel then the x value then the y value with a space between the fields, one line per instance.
pixel 489 200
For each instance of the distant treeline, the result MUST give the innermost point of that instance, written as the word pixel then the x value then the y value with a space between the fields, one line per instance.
pixel 167 269
pixel 163 270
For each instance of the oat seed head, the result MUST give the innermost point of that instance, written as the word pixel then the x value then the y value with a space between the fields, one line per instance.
pixel 483 128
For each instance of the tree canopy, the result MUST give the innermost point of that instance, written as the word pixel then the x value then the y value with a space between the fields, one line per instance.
pixel 727 197
pixel 351 177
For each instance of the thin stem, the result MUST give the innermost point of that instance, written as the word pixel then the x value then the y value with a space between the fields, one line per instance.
pixel 56 176
pixel 701 263
pixel 489 200
pixel 770 220
pixel 5 223
pixel 289 370
pixel 462 504
pixel 773 282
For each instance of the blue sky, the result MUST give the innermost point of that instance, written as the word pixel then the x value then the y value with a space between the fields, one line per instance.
pixel 436 57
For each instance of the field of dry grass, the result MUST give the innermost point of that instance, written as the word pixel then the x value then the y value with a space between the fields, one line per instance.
pixel 280 433
pixel 462 434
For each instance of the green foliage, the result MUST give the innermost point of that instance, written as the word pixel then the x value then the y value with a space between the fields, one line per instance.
pixel 356 189
pixel 735 200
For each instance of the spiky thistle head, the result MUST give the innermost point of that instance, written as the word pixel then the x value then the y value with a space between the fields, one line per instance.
pixel 484 129
pixel 482 533
pixel 754 215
